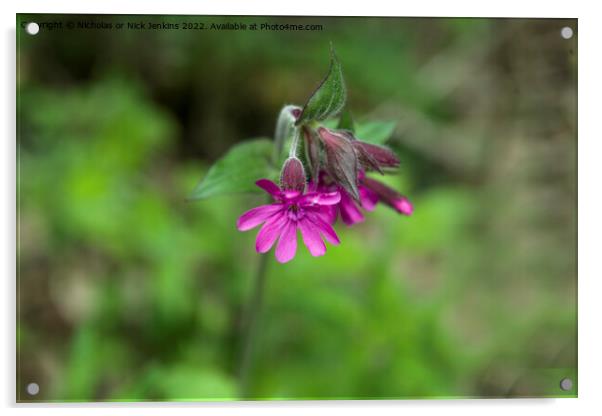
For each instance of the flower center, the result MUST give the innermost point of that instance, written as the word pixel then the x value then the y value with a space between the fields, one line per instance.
pixel 295 212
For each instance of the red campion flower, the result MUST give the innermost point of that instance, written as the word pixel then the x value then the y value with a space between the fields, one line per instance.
pixel 292 210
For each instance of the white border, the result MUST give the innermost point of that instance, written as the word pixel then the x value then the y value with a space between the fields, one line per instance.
pixel 590 208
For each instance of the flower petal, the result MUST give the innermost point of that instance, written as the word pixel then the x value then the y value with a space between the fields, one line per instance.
pixel 368 198
pixel 328 214
pixel 350 213
pixel 311 238
pixel 325 229
pixel 320 198
pixel 267 236
pixel 256 216
pixel 269 186
pixel 403 205
pixel 287 244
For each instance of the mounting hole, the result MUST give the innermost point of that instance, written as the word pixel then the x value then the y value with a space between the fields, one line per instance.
pixel 566 32
pixel 32 28
pixel 33 389
pixel 566 384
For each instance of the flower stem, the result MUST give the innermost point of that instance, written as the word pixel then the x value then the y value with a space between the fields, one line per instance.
pixel 284 127
pixel 250 320
pixel 295 143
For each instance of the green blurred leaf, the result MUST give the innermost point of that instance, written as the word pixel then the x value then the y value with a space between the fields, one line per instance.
pixel 329 99
pixel 238 170
pixel 376 132
pixel 346 121
pixel 189 382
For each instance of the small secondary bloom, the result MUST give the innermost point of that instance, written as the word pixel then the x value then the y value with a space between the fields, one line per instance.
pixel 311 213
pixel 350 212
pixel 371 192
pixel 389 196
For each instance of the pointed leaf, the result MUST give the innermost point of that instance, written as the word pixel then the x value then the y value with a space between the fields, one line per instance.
pixel 329 98
pixel 376 132
pixel 237 170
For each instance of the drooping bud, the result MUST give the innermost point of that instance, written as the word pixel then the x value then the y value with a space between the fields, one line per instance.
pixel 341 160
pixel 375 157
pixel 292 176
pixel 389 196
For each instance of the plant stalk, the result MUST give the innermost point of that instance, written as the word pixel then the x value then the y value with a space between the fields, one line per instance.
pixel 253 313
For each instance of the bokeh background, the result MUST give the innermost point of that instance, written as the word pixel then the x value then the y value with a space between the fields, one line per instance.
pixel 126 291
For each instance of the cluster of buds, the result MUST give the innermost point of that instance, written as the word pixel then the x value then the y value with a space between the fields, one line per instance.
pixel 339 161
pixel 337 186
pixel 323 178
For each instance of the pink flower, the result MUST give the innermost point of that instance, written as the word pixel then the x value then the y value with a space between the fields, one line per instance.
pixel 311 213
pixel 350 212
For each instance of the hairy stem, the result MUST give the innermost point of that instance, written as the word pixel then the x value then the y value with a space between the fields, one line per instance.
pixel 251 318
pixel 292 152
pixel 284 126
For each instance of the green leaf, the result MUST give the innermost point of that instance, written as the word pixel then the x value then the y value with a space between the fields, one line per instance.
pixel 238 170
pixel 329 99
pixel 346 121
pixel 375 132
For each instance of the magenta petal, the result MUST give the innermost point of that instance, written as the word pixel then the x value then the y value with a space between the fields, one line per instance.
pixel 290 194
pixel 325 229
pixel 403 205
pixel 328 214
pixel 267 236
pixel 311 238
pixel 318 198
pixel 256 216
pixel 269 186
pixel 287 244
pixel 368 198
pixel 350 213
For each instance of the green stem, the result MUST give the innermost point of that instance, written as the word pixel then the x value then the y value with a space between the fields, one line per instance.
pixel 253 313
pixel 284 127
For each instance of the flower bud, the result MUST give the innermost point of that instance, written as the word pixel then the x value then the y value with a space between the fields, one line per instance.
pixel 292 176
pixel 341 160
pixel 375 157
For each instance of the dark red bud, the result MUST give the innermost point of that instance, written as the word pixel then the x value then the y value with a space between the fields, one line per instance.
pixel 341 160
pixel 292 176
pixel 373 157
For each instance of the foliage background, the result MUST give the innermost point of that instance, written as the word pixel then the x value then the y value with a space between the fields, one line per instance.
pixel 128 292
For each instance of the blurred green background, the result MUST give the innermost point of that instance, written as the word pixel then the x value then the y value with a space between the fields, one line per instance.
pixel 126 291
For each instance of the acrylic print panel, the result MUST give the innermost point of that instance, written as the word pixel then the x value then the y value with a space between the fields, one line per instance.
pixel 271 208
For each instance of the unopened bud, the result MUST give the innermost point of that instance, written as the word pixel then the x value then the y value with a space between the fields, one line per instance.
pixel 375 157
pixel 292 176
pixel 341 160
